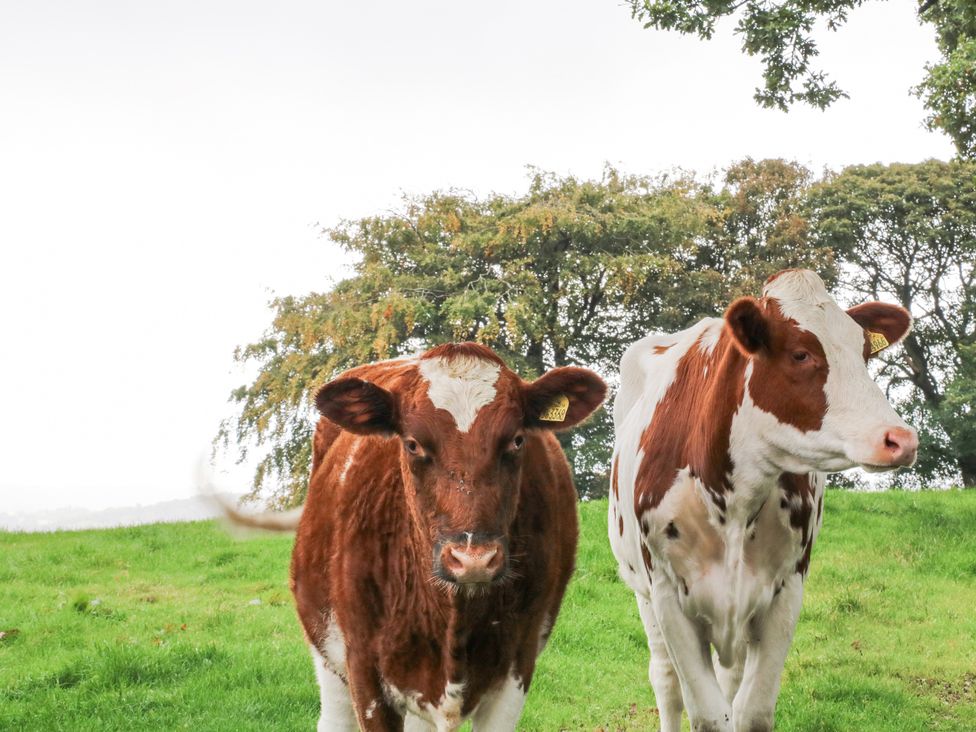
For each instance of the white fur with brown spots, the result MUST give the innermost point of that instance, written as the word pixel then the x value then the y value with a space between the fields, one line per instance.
pixel 723 435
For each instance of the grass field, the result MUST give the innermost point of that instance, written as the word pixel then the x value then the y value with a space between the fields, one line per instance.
pixel 180 626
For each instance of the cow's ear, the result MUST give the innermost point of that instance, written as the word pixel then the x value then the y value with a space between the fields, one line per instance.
pixel 890 322
pixel 562 397
pixel 358 406
pixel 748 324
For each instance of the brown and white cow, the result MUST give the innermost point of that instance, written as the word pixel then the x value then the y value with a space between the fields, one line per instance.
pixel 724 433
pixel 438 535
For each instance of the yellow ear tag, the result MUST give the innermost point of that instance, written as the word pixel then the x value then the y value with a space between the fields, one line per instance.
pixel 878 341
pixel 556 412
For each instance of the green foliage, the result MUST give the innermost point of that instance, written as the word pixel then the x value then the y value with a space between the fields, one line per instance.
pixel 907 233
pixel 572 272
pixel 886 640
pixel 761 227
pixel 957 412
pixel 937 461
pixel 781 35
pixel 949 88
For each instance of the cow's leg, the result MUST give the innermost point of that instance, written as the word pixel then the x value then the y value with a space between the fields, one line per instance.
pixel 755 703
pixel 336 713
pixel 373 712
pixel 664 679
pixel 413 723
pixel 689 651
pixel 500 708
pixel 729 679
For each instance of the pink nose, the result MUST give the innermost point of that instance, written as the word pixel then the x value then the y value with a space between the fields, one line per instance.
pixel 473 563
pixel 900 446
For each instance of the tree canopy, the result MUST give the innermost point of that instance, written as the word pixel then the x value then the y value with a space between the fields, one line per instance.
pixel 907 233
pixel 569 273
pixel 781 34
pixel 572 272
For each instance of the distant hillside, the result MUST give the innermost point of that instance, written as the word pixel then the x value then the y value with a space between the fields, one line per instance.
pixel 196 508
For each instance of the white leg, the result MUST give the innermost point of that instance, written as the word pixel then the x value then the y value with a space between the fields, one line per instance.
pixel 729 679
pixel 664 679
pixel 708 711
pixel 755 703
pixel 500 708
pixel 337 714
pixel 413 723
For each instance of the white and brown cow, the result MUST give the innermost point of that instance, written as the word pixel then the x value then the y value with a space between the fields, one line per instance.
pixel 724 433
pixel 437 538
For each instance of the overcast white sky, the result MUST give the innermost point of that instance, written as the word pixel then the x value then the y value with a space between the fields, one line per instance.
pixel 164 168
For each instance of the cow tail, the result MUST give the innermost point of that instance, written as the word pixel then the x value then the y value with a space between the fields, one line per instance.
pixel 267 520
pixel 233 516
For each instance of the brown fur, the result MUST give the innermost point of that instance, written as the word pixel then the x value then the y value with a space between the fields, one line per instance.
pixel 791 391
pixel 365 547
pixel 801 511
pixel 892 321
pixel 692 423
pixel 614 481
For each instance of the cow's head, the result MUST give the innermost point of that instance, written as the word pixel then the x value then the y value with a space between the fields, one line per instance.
pixel 811 397
pixel 466 424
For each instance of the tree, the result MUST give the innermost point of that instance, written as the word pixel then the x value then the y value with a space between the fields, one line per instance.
pixel 761 227
pixel 908 233
pixel 549 279
pixel 569 273
pixel 781 34
pixel 949 87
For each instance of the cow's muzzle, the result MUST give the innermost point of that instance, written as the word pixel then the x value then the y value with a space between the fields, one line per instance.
pixel 896 448
pixel 470 559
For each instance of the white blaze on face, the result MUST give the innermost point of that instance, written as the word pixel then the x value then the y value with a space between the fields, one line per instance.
pixel 461 386
pixel 858 414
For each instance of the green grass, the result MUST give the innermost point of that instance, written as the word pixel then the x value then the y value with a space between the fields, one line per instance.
pixel 153 627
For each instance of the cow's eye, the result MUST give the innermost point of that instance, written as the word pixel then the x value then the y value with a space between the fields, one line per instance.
pixel 413 447
pixel 801 356
pixel 516 443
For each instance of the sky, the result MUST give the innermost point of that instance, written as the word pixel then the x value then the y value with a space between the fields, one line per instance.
pixel 168 168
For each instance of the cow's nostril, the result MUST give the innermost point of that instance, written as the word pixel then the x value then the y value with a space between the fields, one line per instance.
pixel 473 563
pixel 474 559
pixel 453 561
pixel 900 446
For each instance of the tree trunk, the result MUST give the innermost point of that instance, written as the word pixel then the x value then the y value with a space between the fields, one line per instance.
pixel 967 466
pixel 534 357
pixel 559 355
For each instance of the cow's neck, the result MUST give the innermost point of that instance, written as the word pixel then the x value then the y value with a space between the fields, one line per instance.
pixel 467 617
pixel 418 611
pixel 757 463
pixel 733 465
